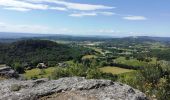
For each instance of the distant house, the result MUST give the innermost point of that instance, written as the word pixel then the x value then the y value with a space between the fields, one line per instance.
pixel 41 65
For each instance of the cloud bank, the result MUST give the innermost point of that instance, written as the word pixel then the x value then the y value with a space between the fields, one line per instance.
pixel 58 5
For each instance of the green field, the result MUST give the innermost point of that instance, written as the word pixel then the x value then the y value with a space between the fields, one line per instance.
pixel 134 62
pixel 115 70
pixel 38 73
pixel 89 56
pixel 97 50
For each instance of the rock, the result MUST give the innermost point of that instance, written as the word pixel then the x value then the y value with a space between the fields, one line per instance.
pixel 64 65
pixel 71 88
pixel 8 72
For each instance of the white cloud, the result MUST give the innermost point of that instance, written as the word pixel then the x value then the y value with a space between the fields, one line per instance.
pixel 74 6
pixel 59 8
pixel 39 4
pixel 83 7
pixel 21 4
pixel 82 14
pixel 17 9
pixel 1 23
pixel 107 13
pixel 135 18
pixel 59 5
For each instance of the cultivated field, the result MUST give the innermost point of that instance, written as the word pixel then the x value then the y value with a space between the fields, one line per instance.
pixel 115 70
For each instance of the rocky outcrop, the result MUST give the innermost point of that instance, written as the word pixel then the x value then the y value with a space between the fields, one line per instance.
pixel 71 88
pixel 8 72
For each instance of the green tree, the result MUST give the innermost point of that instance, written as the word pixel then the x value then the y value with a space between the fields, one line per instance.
pixel 77 70
pixel 18 67
pixel 94 73
pixel 59 73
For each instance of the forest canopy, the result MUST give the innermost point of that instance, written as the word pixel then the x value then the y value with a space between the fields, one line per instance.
pixel 32 52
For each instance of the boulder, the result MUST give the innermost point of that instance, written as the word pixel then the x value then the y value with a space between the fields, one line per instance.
pixel 70 88
pixel 8 72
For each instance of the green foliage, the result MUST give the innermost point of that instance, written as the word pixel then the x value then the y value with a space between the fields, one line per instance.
pixel 161 54
pixel 109 76
pixel 77 70
pixel 86 62
pixel 94 73
pixel 42 72
pixel 103 63
pixel 152 80
pixel 18 67
pixel 34 77
pixel 151 73
pixel 33 52
pixel 59 73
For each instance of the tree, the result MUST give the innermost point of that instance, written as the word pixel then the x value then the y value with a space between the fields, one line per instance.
pixel 77 70
pixel 94 73
pixel 18 67
pixel 59 73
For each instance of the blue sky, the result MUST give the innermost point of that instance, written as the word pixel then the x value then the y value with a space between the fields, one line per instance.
pixel 86 17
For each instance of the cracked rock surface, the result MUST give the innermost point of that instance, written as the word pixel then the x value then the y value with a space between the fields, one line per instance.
pixel 70 88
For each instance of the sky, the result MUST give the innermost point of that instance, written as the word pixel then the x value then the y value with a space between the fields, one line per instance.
pixel 86 17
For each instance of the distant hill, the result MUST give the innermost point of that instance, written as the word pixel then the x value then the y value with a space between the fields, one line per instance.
pixel 11 37
pixel 37 51
pixel 161 39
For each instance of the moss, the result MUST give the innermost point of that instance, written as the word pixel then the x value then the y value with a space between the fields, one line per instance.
pixel 15 87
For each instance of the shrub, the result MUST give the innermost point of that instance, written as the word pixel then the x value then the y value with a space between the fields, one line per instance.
pixel 109 76
pixel 59 72
pixel 77 70
pixel 94 73
pixel 153 80
pixel 151 73
pixel 34 77
pixel 42 72
pixel 18 67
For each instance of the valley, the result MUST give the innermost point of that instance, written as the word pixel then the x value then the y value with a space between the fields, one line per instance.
pixel 118 59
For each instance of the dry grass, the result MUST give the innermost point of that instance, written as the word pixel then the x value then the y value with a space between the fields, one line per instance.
pixel 89 56
pixel 115 70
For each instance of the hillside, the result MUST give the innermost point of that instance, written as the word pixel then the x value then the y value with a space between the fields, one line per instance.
pixel 35 51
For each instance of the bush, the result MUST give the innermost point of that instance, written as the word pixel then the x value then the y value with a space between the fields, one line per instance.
pixel 59 73
pixel 42 72
pixel 34 77
pixel 94 73
pixel 152 73
pixel 77 70
pixel 18 67
pixel 153 80
pixel 109 76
